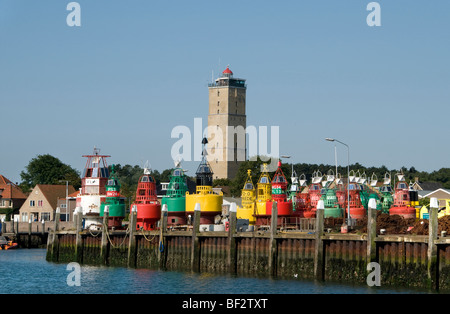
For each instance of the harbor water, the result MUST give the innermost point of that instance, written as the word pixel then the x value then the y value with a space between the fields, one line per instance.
pixel 25 271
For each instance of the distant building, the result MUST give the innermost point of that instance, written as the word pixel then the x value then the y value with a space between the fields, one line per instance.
pixel 11 197
pixel 42 202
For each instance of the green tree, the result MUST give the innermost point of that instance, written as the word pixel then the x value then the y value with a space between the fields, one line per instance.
pixel 222 182
pixel 47 169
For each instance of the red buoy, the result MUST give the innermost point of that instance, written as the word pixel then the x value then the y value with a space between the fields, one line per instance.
pixel 147 204
pixel 279 187
pixel 402 201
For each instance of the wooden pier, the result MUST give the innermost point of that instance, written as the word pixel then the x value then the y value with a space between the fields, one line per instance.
pixel 405 260
pixel 28 234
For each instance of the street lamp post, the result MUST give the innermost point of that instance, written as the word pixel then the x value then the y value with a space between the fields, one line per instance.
pixel 67 196
pixel 349 221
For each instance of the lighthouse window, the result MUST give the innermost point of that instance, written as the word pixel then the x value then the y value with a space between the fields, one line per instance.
pixel 177 173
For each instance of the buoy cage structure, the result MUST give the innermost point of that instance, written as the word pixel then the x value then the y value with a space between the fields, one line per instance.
pixel 148 208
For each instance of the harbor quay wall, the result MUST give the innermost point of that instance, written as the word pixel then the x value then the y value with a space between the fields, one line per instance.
pixel 30 234
pixel 404 260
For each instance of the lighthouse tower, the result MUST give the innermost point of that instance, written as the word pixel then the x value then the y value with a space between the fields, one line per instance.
pixel 226 116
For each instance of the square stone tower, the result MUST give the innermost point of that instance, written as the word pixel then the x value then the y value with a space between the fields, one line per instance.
pixel 226 125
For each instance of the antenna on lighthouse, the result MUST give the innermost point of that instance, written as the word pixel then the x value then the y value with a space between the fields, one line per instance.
pixel 147 168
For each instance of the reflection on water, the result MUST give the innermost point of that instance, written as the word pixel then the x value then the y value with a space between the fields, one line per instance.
pixel 27 271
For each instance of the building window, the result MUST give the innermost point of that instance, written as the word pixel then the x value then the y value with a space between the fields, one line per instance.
pixel 62 206
pixel 45 216
pixel 218 93
pixel 32 203
pixel 25 217
pixel 218 103
pixel 40 203
pixel 2 203
pixel 217 111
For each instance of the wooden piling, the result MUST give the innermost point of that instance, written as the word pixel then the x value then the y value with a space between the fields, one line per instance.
pixel 132 243
pixel 273 241
pixel 432 267
pixel 104 243
pixel 53 245
pixel 195 253
pixel 371 231
pixel 319 271
pixel 78 237
pixel 29 233
pixel 231 254
pixel 162 248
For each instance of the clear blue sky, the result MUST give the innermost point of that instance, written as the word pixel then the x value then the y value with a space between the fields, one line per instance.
pixel 136 69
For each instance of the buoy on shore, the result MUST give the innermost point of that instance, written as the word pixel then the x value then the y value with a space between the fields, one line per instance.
pixel 147 205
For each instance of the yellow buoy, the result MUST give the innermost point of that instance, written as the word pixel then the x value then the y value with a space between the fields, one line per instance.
pixel 264 191
pixel 210 202
pixel 247 211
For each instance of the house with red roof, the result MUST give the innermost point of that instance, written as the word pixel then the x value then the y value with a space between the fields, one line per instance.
pixel 11 198
pixel 42 202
